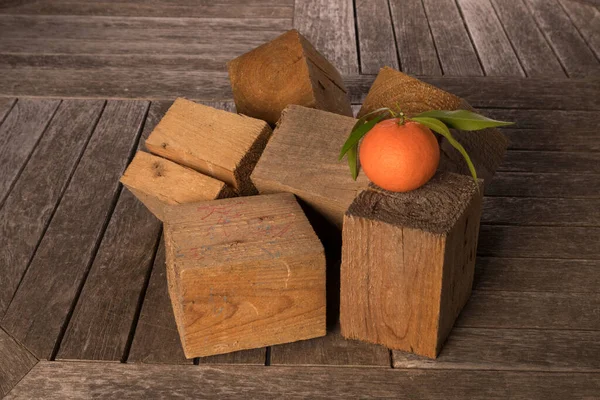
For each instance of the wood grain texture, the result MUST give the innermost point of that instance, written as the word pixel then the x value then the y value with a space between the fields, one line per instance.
pixel 574 54
pixel 375 36
pixel 41 307
pixel 551 162
pixel 586 19
pixel 23 223
pixel 534 52
pixel 553 139
pixel 15 362
pixel 537 275
pixel 6 104
pixel 416 48
pixel 454 47
pixel 495 51
pixel 58 380
pixel 568 121
pixel 556 185
pixel 19 134
pixel 512 349
pixel 329 26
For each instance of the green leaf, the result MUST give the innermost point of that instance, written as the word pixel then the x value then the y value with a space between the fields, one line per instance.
pixel 360 129
pixel 438 126
pixel 464 120
pixel 352 161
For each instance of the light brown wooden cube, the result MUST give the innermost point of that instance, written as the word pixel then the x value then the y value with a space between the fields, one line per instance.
pixel 221 144
pixel 244 273
pixel 158 182
pixel 408 261
pixel 287 70
pixel 486 148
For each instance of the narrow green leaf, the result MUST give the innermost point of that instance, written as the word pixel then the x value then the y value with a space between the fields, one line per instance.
pixel 464 120
pixel 439 127
pixel 358 131
pixel 353 161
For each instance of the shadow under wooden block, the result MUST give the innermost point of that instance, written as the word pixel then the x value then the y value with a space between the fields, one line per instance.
pixel 217 143
pixel 408 262
pixel 244 273
pixel 394 89
pixel 286 70
pixel 158 182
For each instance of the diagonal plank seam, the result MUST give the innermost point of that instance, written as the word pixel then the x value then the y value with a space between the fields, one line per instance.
pixel 512 45
pixel 464 21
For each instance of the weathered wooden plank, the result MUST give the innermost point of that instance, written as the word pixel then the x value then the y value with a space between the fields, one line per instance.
pixel 411 27
pixel 575 56
pixel 539 241
pixel 42 183
pixel 537 275
pixel 512 349
pixel 375 36
pixel 551 161
pixel 130 8
pixel 533 310
pixel 15 362
pixel 563 185
pixel 41 306
pixel 19 134
pixel 504 92
pixel 58 380
pixel 586 18
pixel 329 26
pixel 553 139
pixel 6 104
pixel 569 121
pixel 534 52
pixel 452 41
pixel 495 50
pixel 531 211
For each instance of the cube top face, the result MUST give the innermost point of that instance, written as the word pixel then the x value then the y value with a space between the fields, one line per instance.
pixel 238 230
pixel 212 141
pixel 434 207
pixel 414 96
pixel 302 158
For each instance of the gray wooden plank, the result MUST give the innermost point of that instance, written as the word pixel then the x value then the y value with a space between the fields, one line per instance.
pixel 572 120
pixel 532 211
pixel 553 139
pixel 557 185
pixel 539 241
pixel 551 161
pixel 6 104
pixel 454 47
pixel 19 134
pixel 332 349
pixel 537 275
pixel 512 349
pixel 586 18
pixel 42 183
pixel 534 52
pixel 375 36
pixel 58 380
pixel 411 27
pixel 495 50
pixel 44 300
pixel 531 310
pixel 574 54
pixel 15 362
pixel 329 26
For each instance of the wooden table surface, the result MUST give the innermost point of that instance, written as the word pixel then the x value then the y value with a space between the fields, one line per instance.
pixel 82 273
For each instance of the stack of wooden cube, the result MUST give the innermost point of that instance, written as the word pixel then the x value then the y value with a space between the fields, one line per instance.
pixel 246 268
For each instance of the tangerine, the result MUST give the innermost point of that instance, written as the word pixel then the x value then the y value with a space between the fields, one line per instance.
pixel 399 156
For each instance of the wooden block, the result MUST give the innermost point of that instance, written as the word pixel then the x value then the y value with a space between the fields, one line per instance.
pixel 221 144
pixel 486 148
pixel 302 158
pixel 287 70
pixel 244 273
pixel 158 182
pixel 408 261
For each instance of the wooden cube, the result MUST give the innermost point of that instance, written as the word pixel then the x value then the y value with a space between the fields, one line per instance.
pixel 302 158
pixel 486 148
pixel 158 182
pixel 287 70
pixel 408 262
pixel 221 144
pixel 244 273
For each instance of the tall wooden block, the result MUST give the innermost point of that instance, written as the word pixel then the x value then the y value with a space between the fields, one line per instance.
pixel 486 148
pixel 287 70
pixel 244 273
pixel 218 143
pixel 408 262
pixel 158 182
pixel 302 158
